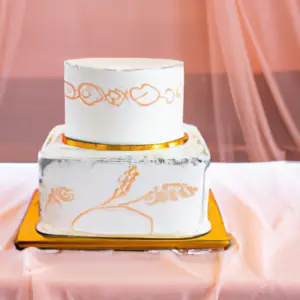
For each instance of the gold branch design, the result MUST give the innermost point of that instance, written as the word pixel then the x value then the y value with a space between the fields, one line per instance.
pixel 125 180
pixel 159 194
pixel 144 95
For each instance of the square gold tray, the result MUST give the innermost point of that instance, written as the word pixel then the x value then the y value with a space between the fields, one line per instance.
pixel 27 236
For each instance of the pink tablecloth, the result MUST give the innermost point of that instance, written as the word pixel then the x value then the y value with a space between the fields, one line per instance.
pixel 261 207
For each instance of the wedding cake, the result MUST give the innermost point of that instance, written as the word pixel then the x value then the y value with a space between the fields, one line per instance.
pixel 124 164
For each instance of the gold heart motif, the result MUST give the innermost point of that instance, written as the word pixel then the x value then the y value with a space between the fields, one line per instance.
pixel 145 95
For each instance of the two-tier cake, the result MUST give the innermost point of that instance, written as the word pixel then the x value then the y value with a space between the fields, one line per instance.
pixel 124 164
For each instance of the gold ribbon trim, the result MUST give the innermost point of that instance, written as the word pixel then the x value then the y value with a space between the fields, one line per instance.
pixel 95 146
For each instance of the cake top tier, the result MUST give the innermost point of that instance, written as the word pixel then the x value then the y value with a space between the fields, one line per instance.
pixel 124 101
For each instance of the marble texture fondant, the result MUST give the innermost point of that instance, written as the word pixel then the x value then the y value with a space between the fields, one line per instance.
pixel 158 193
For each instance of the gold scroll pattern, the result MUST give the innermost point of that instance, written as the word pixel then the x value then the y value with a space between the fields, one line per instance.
pixel 58 195
pixel 159 194
pixel 144 95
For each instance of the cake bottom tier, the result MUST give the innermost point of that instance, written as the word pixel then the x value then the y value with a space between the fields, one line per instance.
pixel 161 194
pixel 85 199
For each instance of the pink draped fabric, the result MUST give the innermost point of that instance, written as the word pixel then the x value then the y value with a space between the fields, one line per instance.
pixel 261 208
pixel 242 61
pixel 11 21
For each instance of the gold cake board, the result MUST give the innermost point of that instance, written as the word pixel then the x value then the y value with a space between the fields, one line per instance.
pixel 27 236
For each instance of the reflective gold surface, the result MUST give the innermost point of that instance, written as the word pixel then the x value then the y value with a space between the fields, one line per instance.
pixel 27 236
pixel 107 147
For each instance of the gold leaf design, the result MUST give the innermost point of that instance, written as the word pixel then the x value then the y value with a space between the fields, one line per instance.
pixel 64 194
pixel 125 180
pixel 166 192
pixel 61 194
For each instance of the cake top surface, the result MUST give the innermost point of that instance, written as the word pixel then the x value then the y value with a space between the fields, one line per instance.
pixel 124 64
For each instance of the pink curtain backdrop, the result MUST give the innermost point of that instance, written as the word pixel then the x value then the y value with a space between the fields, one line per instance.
pixel 242 62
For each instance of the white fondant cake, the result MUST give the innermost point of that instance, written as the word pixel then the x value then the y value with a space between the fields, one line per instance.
pixel 160 193
pixel 124 101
